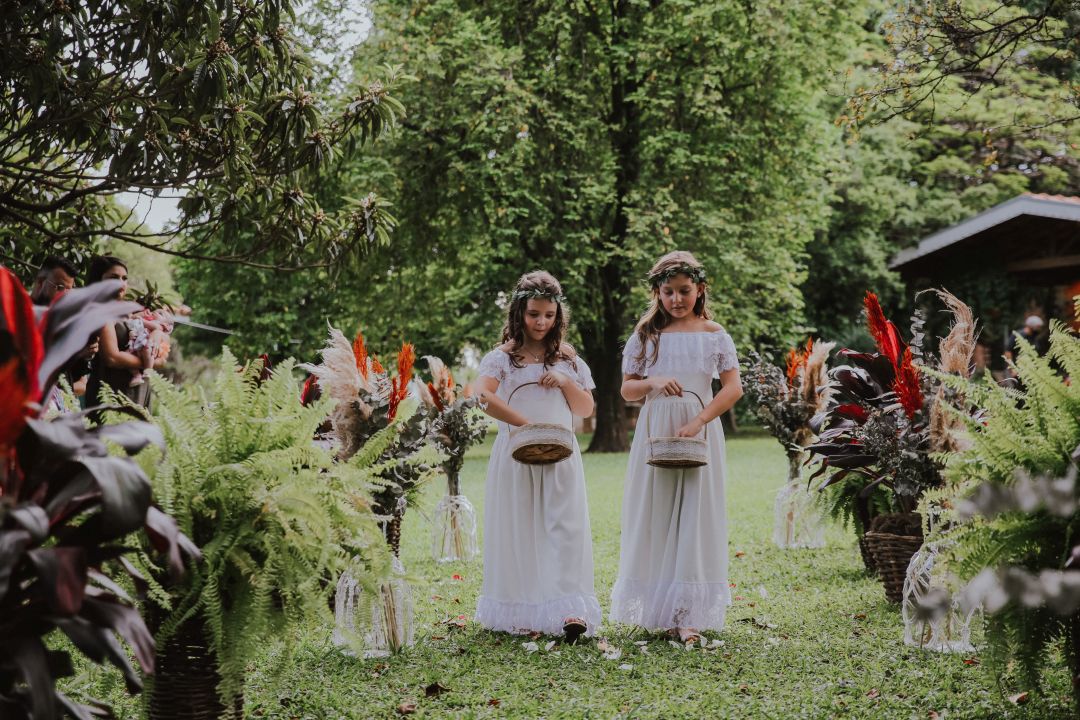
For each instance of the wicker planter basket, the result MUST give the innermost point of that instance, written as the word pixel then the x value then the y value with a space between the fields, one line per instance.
pixel 184 686
pixel 540 443
pixel 893 539
pixel 678 452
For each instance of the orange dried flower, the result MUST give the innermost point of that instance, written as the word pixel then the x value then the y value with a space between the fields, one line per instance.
pixel 400 384
pixel 360 351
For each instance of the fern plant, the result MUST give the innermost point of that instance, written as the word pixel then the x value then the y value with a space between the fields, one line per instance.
pixel 277 518
pixel 1012 539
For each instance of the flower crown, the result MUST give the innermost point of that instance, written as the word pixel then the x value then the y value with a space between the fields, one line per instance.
pixel 695 273
pixel 538 294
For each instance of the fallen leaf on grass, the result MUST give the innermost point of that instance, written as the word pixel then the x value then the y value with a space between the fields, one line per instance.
pixel 435 689
pixel 535 635
pixel 859 616
pixel 738 554
pixel 1019 698
pixel 874 693
pixel 971 661
pixel 613 654
pixel 494 702
pixel 436 597
pixel 744 689
pixel 738 597
pixel 438 637
pixel 406 708
pixel 456 577
pixel 933 715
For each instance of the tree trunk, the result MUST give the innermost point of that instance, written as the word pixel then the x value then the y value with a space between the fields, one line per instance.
pixel 602 345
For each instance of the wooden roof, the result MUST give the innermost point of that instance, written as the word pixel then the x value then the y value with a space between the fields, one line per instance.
pixel 1035 236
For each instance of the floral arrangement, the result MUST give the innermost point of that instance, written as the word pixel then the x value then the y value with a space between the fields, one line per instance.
pixel 886 422
pixel 787 400
pixel 458 423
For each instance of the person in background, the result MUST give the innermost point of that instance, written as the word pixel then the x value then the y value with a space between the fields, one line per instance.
pixel 57 275
pixel 113 364
pixel 1031 333
pixel 53 277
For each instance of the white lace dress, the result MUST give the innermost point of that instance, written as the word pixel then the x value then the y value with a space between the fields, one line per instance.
pixel 673 564
pixel 538 566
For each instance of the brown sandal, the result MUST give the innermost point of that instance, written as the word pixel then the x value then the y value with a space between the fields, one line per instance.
pixel 573 628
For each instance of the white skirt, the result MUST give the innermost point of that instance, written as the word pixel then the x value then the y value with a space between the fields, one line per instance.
pixel 673 563
pixel 538 566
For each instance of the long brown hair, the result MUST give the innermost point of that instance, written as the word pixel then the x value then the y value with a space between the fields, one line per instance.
pixel 536 284
pixel 656 318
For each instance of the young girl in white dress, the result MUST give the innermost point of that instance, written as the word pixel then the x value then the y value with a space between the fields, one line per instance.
pixel 538 568
pixel 674 549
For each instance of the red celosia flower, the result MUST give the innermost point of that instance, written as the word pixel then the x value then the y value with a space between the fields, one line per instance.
pixel 400 384
pixel 907 387
pixel 360 351
pixel 796 360
pixel 376 366
pixel 435 396
pixel 885 334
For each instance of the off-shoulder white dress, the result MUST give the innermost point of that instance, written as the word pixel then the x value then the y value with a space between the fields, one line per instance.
pixel 673 564
pixel 538 566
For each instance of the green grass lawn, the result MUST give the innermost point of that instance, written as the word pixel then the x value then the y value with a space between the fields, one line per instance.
pixel 836 649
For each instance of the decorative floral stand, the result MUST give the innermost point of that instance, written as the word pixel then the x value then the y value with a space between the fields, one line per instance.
pixel 797 520
pixel 454 530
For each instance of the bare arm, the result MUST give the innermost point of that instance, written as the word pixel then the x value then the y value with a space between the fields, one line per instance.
pixel 723 401
pixel 635 387
pixel 578 398
pixel 113 356
pixel 493 405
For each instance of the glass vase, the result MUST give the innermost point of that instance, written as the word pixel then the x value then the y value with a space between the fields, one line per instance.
pixel 797 521
pixel 932 625
pixel 453 536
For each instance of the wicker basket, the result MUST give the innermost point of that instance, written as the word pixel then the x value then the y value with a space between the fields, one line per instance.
pixel 678 452
pixel 540 443
pixel 893 539
pixel 184 686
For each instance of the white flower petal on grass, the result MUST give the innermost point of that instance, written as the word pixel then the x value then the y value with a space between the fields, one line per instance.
pixel 704 641
pixel 613 654
pixel 763 592
pixel 716 644
pixel 530 647
pixel 676 645
pixel 547 648
pixel 644 650
pixel 773 641
pixel 640 643
pixel 689 646
pixel 626 666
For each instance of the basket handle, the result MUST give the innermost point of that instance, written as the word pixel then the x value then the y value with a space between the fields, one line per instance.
pixel 648 423
pixel 568 410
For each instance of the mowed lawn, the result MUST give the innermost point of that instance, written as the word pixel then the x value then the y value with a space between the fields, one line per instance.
pixel 809 636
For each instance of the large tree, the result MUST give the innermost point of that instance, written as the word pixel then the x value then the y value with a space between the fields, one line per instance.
pixel 587 138
pixel 208 100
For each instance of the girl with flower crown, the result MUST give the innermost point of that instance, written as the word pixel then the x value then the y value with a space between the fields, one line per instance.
pixel 538 568
pixel 674 550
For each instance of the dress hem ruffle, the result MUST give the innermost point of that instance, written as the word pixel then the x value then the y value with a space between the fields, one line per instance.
pixel 545 617
pixel 667 605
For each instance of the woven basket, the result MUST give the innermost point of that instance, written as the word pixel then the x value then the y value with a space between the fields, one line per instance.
pixel 184 686
pixel 540 443
pixel 893 539
pixel 678 452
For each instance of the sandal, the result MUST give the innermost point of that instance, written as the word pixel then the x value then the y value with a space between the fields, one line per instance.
pixel 573 628
pixel 688 636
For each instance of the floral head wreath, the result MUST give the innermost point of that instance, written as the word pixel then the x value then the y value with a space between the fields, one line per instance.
pixel 695 273
pixel 538 294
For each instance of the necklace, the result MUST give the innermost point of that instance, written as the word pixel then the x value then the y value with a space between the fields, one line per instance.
pixel 535 357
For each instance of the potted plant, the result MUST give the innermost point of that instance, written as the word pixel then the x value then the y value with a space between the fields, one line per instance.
pixel 786 401
pixel 277 518
pixel 457 425
pixel 369 404
pixel 67 505
pixel 1011 546
pixel 884 433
